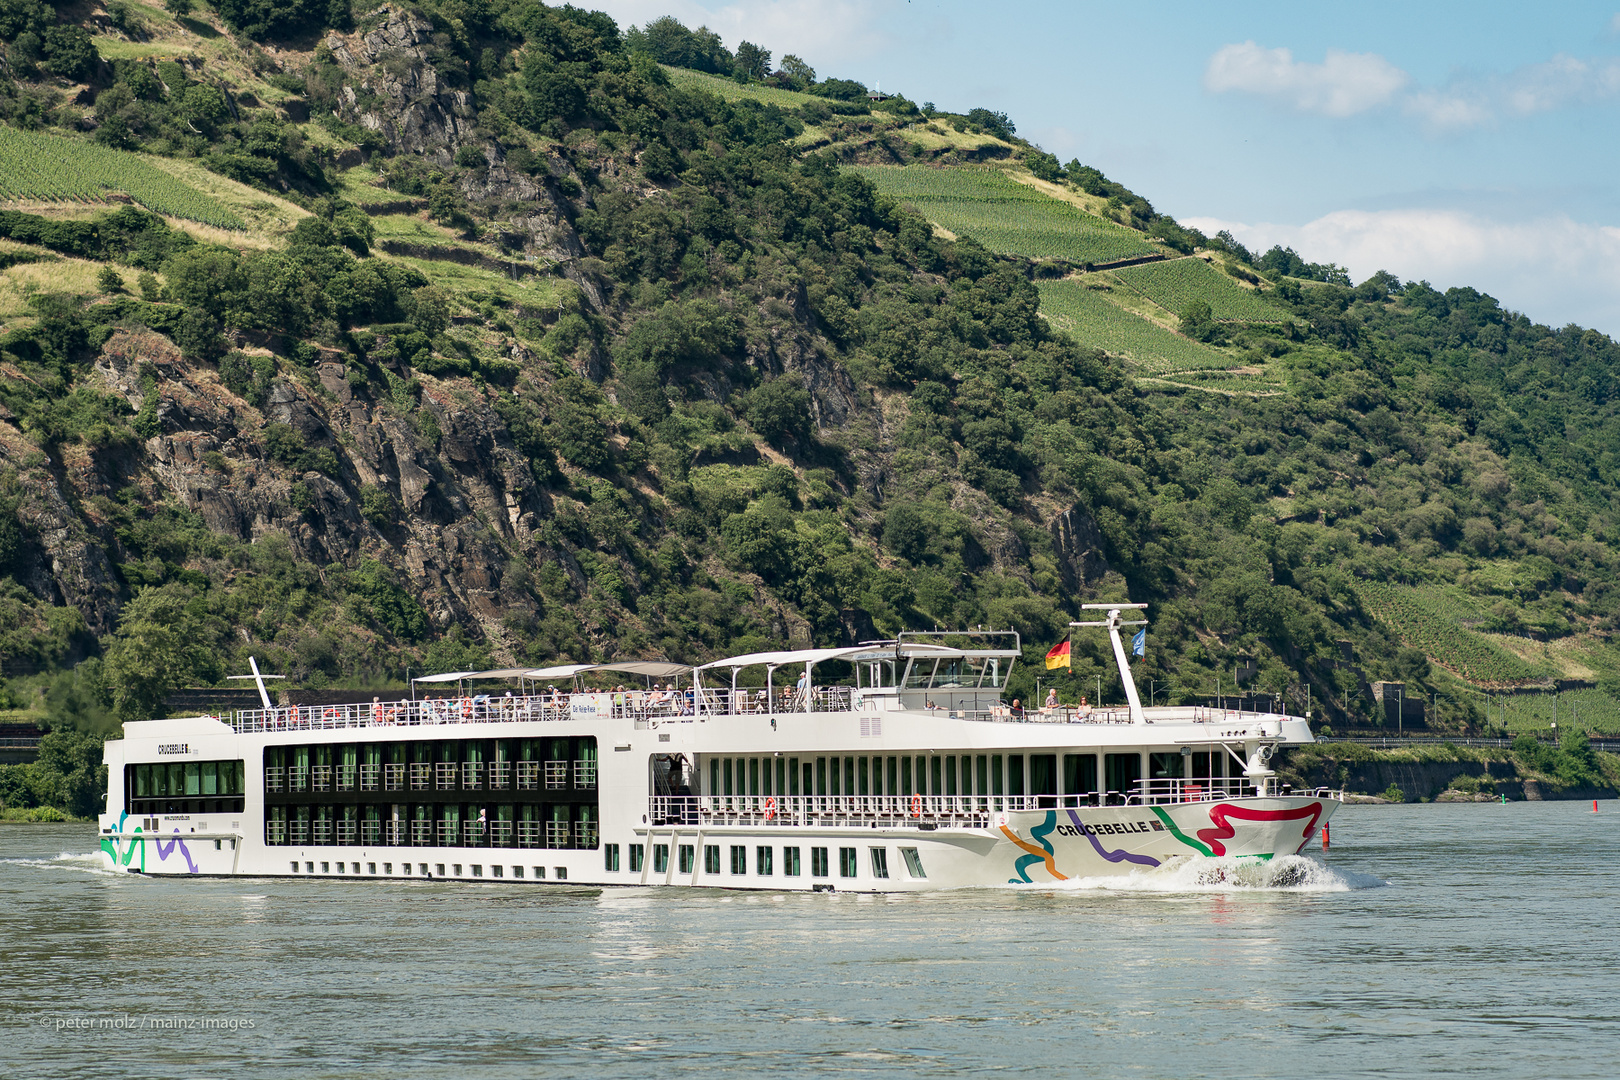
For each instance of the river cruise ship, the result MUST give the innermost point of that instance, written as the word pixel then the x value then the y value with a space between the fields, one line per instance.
pixel 889 766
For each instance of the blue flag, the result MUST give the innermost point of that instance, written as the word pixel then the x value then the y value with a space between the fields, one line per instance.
pixel 1139 643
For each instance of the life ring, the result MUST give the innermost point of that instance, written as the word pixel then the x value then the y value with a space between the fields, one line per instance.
pixel 770 807
pixel 916 804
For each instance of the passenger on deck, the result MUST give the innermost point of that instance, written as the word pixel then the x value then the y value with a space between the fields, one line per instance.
pixel 1017 710
pixel 1051 699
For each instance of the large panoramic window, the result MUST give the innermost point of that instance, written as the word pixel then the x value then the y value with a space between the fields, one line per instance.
pixel 184 787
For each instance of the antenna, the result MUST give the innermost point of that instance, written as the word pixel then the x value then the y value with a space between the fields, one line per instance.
pixel 1112 624
pixel 258 679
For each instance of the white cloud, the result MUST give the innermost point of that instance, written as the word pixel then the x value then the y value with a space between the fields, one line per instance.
pixel 1344 84
pixel 1553 269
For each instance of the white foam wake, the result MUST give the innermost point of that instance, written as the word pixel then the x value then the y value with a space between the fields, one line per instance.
pixel 1202 874
pixel 84 862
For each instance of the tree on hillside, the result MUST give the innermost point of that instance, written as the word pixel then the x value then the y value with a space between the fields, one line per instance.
pixel 282 18
pixel 668 41
pixel 992 123
pixel 1198 322
pixel 841 90
pixel 163 642
pixel 752 62
pixel 799 73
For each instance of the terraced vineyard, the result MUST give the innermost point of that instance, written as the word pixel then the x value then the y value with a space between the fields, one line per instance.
pixel 1006 216
pixel 732 90
pixel 49 168
pixel 1236 382
pixel 1095 321
pixel 1431 619
pixel 1175 284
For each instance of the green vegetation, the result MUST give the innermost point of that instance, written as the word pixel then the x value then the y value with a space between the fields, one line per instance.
pixel 1174 284
pixel 695 390
pixel 1005 216
pixel 51 168
pixel 1434 619
pixel 1096 321
pixel 733 90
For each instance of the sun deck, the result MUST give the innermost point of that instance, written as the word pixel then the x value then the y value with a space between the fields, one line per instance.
pixel 649 707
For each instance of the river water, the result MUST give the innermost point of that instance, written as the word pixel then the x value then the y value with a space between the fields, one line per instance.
pixel 1478 940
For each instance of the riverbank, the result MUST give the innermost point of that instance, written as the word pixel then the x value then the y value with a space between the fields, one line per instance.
pixel 1446 772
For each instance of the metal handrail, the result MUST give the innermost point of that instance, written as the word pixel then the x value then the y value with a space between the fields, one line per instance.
pixel 930 811
pixel 680 706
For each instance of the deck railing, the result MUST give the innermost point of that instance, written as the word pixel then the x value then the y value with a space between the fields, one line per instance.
pixel 682 706
pixel 932 811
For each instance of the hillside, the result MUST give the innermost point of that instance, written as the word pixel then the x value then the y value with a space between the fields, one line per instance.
pixel 450 336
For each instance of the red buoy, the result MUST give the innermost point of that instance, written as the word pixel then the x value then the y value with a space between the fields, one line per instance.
pixel 1325 833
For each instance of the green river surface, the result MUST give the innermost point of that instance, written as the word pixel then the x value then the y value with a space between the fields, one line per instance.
pixel 1469 940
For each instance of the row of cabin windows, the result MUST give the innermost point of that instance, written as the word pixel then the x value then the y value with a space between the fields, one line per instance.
pixel 952 774
pixel 476 870
pixel 433 751
pixel 764 864
pixel 556 825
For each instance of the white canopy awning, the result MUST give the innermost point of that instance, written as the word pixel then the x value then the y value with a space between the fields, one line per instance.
pixel 449 676
pixel 653 669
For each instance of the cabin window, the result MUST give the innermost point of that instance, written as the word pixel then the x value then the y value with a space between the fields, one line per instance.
pixel 891 784
pixel 1043 778
pixel 846 862
pixel 637 851
pixel 711 858
pixel 1079 777
pixel 984 774
pixel 1015 774
pixel 818 862
pixel 790 862
pixel 793 777
pixel 849 776
pixel 1166 765
pixel 753 776
pixel 1123 775
pixel 950 775
pixel 739 859
pixel 660 858
pixel 610 857
pixel 688 858
pixel 726 772
pixel 880 862
pixel 714 776
pixel 762 860
pixel 861 773
pixel 821 776
pixel 914 865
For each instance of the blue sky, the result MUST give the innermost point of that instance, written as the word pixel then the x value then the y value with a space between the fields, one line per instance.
pixel 1465 144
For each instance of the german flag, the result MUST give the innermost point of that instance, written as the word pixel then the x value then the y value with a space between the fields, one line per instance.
pixel 1058 657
